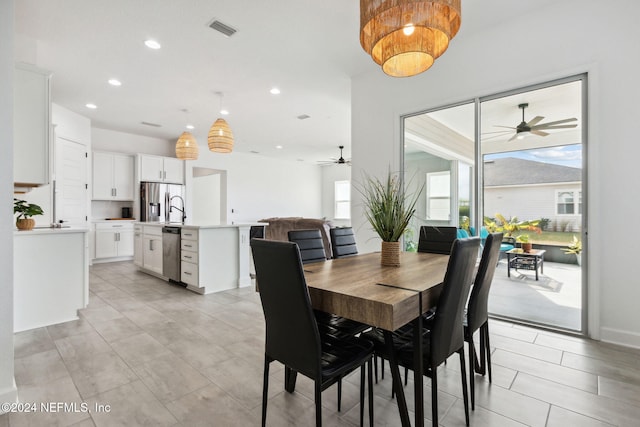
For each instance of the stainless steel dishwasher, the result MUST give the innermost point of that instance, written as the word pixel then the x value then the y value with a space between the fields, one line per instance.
pixel 171 253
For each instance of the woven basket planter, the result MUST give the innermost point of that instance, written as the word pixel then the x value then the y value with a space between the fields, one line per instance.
pixel 25 223
pixel 390 254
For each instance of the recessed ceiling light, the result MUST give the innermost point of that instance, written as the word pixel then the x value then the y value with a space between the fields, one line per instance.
pixel 279 147
pixel 115 82
pixel 224 112
pixel 190 127
pixel 275 91
pixel 91 106
pixel 152 44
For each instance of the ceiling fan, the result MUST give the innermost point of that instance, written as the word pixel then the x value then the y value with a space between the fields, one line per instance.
pixel 339 161
pixel 532 126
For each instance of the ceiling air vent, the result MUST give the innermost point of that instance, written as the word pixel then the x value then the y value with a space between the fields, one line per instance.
pixel 155 125
pixel 222 28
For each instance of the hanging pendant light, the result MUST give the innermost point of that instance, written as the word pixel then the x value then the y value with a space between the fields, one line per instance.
pixel 187 147
pixel 405 37
pixel 220 138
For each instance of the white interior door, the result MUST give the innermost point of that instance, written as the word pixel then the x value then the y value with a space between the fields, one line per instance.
pixel 71 183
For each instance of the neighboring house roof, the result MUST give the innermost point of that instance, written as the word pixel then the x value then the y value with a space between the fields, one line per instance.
pixel 514 171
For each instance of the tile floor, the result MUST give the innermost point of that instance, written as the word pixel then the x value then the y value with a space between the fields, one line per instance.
pixel 149 353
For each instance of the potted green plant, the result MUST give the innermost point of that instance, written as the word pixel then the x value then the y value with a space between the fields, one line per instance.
pixel 525 243
pixel 25 211
pixel 575 247
pixel 388 208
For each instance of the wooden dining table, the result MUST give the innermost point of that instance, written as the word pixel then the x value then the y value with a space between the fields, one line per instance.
pixel 361 289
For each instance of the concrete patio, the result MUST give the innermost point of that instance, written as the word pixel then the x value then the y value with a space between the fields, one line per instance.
pixel 554 300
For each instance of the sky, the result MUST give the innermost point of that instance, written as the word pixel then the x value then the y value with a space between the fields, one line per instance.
pixel 565 155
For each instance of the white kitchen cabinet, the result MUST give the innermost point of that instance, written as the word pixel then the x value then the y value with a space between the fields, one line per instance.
pixel 152 249
pixel 161 169
pixel 114 240
pixel 138 245
pixel 31 125
pixel 215 258
pixel 113 175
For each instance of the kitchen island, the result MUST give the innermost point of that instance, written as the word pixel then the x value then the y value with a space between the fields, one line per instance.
pixel 213 257
pixel 51 276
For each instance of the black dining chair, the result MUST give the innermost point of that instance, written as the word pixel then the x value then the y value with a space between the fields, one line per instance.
pixel 292 335
pixel 343 242
pixel 445 335
pixel 436 240
pixel 310 244
pixel 477 317
pixel 312 250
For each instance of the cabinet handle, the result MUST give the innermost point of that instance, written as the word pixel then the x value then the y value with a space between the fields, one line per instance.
pixel 187 273
pixel 115 192
pixel 150 245
pixel 164 174
pixel 188 234
pixel 187 256
pixel 118 235
pixel 160 174
pixel 188 246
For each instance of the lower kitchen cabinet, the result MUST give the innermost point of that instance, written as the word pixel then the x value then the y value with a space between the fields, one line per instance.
pixel 152 248
pixel 215 258
pixel 138 245
pixel 114 240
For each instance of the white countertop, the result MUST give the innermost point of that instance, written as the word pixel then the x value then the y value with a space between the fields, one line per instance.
pixel 49 230
pixel 202 226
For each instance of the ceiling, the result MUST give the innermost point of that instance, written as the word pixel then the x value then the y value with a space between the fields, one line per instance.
pixel 308 49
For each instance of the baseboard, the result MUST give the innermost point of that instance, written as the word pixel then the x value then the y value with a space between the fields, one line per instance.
pixel 9 395
pixel 620 337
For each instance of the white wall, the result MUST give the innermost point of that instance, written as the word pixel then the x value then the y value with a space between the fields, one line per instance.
pixel 559 40
pixel 8 391
pixel 261 187
pixel 121 142
pixel 331 174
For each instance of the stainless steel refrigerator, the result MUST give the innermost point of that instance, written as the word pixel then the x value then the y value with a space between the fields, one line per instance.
pixel 161 202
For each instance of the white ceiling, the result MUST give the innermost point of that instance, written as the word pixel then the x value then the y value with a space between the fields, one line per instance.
pixel 309 49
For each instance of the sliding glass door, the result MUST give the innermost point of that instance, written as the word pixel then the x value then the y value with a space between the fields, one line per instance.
pixel 511 162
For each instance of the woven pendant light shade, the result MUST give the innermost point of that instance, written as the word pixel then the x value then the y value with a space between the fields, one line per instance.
pixel 405 37
pixel 187 147
pixel 220 137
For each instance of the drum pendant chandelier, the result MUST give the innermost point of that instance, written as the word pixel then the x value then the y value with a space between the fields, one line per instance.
pixel 405 37
pixel 187 147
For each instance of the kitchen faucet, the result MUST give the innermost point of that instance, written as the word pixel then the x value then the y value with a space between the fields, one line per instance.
pixel 171 207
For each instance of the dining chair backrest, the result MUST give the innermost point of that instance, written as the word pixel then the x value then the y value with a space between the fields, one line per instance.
pixel 292 336
pixel 310 244
pixel 436 240
pixel 477 308
pixel 343 242
pixel 447 332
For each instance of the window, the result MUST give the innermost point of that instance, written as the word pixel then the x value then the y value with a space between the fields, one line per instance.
pixel 568 202
pixel 439 195
pixel 342 196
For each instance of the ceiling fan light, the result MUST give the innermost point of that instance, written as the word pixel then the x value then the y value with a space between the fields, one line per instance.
pixel 220 138
pixel 187 147
pixel 523 135
pixel 385 34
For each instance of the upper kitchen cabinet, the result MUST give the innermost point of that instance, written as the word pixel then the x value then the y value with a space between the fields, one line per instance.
pixel 31 125
pixel 113 176
pixel 161 169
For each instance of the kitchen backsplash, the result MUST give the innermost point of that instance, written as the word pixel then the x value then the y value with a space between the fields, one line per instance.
pixel 109 209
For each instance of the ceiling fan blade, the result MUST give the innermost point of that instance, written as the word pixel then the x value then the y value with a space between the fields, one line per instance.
pixel 557 122
pixel 538 132
pixel 507 127
pixel 535 120
pixel 513 137
pixel 488 138
pixel 497 131
pixel 557 127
